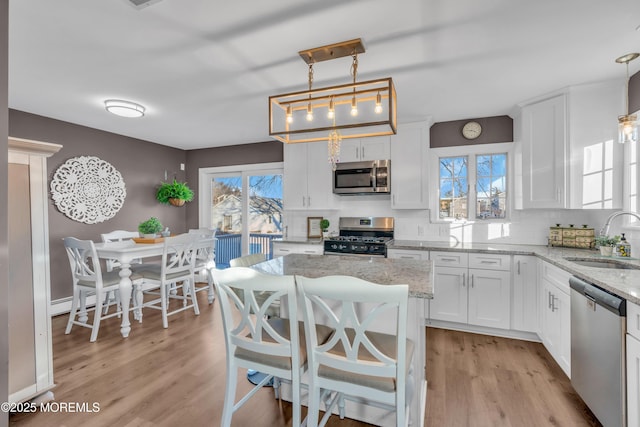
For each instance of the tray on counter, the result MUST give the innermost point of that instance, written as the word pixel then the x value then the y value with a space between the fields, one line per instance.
pixel 148 240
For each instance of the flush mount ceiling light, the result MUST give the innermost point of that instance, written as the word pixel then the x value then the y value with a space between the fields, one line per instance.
pixel 627 125
pixel 334 113
pixel 124 108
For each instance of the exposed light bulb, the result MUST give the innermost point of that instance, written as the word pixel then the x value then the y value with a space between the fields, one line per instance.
pixel 627 129
pixel 309 113
pixel 354 107
pixel 289 114
pixel 331 113
pixel 378 108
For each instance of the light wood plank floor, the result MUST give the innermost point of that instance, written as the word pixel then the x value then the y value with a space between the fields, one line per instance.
pixel 175 377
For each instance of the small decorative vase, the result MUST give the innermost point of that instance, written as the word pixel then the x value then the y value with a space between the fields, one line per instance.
pixel 325 234
pixel 606 250
pixel 177 202
pixel 149 236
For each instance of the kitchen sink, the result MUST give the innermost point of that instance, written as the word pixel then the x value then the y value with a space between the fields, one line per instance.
pixel 603 263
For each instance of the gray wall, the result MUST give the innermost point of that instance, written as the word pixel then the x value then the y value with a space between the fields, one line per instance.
pixel 4 166
pixel 494 129
pixel 264 152
pixel 141 163
pixel 634 92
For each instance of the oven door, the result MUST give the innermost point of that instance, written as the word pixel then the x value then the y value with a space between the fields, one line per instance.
pixel 354 254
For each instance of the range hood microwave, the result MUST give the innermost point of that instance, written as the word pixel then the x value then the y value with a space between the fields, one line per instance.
pixel 370 177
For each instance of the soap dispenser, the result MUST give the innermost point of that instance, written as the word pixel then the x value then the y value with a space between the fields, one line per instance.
pixel 623 249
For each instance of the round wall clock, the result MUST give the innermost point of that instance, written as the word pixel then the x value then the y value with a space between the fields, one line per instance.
pixel 471 130
pixel 88 189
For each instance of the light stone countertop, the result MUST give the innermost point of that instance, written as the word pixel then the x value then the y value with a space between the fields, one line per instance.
pixel 622 282
pixel 300 241
pixel 385 271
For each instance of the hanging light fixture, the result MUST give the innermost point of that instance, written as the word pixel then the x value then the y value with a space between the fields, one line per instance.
pixel 352 110
pixel 627 125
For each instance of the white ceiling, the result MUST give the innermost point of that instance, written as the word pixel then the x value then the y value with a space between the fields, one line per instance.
pixel 204 68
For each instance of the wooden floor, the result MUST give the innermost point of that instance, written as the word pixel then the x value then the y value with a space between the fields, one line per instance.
pixel 175 377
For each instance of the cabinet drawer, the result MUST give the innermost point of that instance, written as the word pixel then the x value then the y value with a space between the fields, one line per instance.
pixel 555 275
pixel 280 249
pixel 490 261
pixel 407 254
pixel 633 320
pixel 450 259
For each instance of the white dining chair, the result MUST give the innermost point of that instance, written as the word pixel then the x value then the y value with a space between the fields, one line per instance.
pixel 269 345
pixel 356 362
pixel 174 273
pixel 88 279
pixel 205 241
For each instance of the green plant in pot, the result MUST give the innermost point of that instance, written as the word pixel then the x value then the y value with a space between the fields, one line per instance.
pixel 324 225
pixel 175 193
pixel 606 244
pixel 150 227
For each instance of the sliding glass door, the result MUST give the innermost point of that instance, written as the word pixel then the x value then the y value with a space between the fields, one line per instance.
pixel 244 205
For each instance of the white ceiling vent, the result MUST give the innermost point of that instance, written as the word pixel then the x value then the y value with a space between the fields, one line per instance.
pixel 141 4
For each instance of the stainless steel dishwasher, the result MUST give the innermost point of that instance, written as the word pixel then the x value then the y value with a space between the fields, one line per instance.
pixel 598 327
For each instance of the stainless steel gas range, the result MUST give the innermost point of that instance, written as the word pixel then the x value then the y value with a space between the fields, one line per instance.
pixel 365 236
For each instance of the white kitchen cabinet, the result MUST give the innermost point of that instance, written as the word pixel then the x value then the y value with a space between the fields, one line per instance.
pixel 524 288
pixel 544 154
pixel 407 254
pixel 285 248
pixel 633 364
pixel 30 343
pixel 555 312
pixel 409 167
pixel 307 181
pixel 471 288
pixel 358 150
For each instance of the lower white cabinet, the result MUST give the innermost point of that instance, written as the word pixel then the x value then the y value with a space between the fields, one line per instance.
pixel 407 254
pixel 524 294
pixel 555 314
pixel 472 288
pixel 286 248
pixel 633 364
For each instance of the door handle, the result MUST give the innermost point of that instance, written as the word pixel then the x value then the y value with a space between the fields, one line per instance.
pixel 472 280
pixel 363 153
pixel 549 299
pixel 464 279
pixel 518 268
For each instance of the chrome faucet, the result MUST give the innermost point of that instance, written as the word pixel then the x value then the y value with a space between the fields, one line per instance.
pixel 605 228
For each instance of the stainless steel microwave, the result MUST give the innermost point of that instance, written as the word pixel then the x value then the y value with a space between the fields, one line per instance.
pixel 370 177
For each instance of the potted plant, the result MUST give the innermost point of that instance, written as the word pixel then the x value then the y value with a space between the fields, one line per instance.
pixel 150 227
pixel 324 225
pixel 606 244
pixel 175 193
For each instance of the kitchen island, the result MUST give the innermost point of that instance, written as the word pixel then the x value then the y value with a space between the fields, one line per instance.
pixel 386 271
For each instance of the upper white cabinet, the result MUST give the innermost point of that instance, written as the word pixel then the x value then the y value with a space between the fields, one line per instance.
pixel 307 180
pixel 567 155
pixel 544 154
pixel 409 167
pixel 358 150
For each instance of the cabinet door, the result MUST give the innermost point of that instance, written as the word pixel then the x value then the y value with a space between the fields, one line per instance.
pixel 449 301
pixel 319 177
pixel 562 305
pixel 375 148
pixel 295 176
pixel 550 325
pixel 409 167
pixel 350 150
pixel 544 146
pixel 524 307
pixel 489 298
pixel 633 381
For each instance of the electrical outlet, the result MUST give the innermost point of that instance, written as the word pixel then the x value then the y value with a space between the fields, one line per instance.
pixel 181 166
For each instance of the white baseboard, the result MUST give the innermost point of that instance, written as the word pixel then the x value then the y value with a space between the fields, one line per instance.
pixel 63 305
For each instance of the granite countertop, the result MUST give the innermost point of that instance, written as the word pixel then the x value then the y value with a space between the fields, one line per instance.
pixel 300 240
pixel 622 282
pixel 385 271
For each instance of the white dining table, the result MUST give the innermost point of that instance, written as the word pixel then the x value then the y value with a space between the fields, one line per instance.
pixel 125 252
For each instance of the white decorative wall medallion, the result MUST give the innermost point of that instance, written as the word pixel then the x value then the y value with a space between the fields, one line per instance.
pixel 88 189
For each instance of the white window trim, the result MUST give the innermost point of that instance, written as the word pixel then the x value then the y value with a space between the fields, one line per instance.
pixel 471 152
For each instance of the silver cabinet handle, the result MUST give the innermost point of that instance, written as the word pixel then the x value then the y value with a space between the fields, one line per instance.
pixel 464 279
pixel 303 201
pixel 308 201
pixel 553 303
pixel 448 259
pixel 472 280
pixel 357 153
pixel 518 268
pixel 549 299
pixel 488 262
pixel 285 250
pixel 363 152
